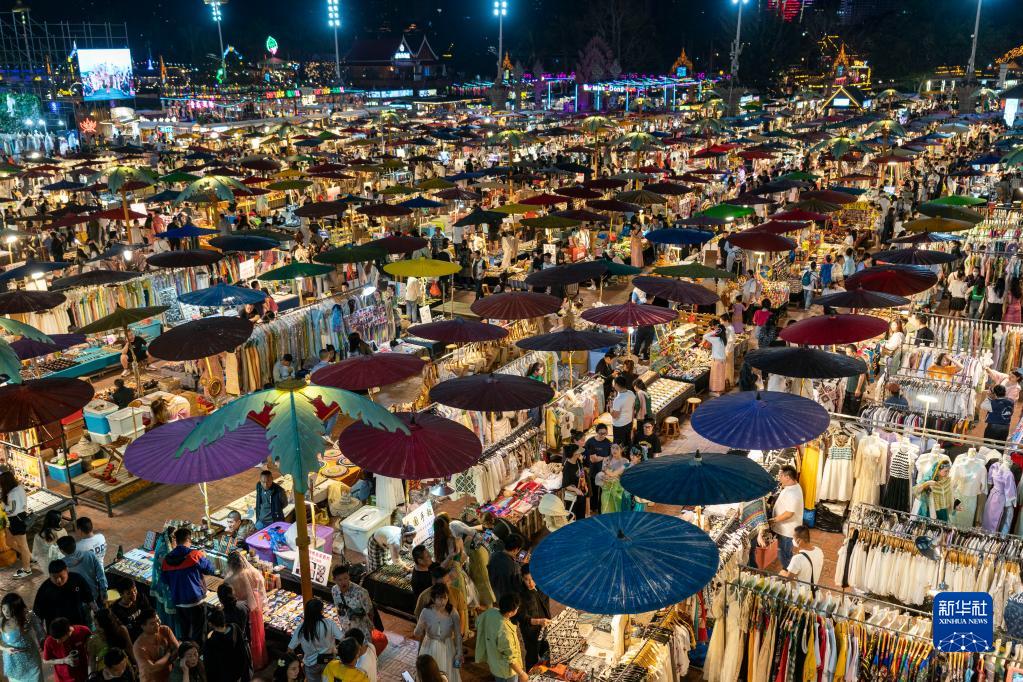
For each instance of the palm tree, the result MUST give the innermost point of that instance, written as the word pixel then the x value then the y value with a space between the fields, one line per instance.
pixel 295 436
pixel 385 121
pixel 637 142
pixel 118 176
pixel 888 129
pixel 595 125
pixel 839 146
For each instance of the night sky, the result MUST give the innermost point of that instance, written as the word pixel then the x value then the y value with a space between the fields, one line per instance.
pixel 552 30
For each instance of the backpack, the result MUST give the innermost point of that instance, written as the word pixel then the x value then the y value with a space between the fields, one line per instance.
pixel 807 278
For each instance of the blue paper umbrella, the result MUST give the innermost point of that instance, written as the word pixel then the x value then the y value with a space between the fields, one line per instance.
pixel 220 295
pixel 678 235
pixel 241 242
pixel 698 479
pixel 186 231
pixel 624 562
pixel 760 420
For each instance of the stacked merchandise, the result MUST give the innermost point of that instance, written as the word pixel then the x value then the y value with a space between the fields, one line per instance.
pixel 499 466
pixel 283 611
pixel 667 396
pixel 519 366
pixel 767 627
pixel 880 556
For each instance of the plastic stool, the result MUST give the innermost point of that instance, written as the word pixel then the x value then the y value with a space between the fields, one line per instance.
pixel 671 428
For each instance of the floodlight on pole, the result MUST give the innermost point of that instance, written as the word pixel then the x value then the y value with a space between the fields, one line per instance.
pixel 971 68
pixel 334 22
pixel 500 11
pixel 217 16
pixel 736 51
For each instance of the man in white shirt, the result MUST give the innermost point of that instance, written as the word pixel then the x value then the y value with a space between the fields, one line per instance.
pixel 622 409
pixel 91 541
pixel 413 292
pixel 787 514
pixel 807 563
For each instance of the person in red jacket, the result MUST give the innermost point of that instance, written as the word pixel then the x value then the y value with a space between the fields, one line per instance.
pixel 65 648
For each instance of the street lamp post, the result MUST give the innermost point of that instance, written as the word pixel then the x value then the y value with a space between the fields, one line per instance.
pixel 500 11
pixel 971 68
pixel 334 22
pixel 215 6
pixel 736 51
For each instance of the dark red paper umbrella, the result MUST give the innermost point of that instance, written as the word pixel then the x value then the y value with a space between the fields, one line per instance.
pixel 184 259
pixel 830 196
pixel 605 183
pixel 583 215
pixel 435 447
pixel 900 280
pixel 780 226
pixel 116 214
pixel 396 244
pixel 755 240
pixel 861 299
pixel 675 290
pixel 201 338
pixel 28 301
pixel 668 189
pixel 578 192
pixel 629 315
pixel 612 205
pixel 43 401
pixel 799 214
pixel 458 330
pixel 544 200
pixel 516 305
pixel 825 330
pixel 492 392
pixel 573 273
pixel 362 372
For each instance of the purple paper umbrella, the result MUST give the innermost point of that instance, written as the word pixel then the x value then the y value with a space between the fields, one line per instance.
pixel 153 456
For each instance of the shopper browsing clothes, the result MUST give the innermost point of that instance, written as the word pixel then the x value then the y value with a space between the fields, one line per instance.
pixel 787 514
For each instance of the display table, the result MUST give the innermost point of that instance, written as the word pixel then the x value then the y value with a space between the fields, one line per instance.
pixel 99 494
pixel 391 591
pixel 259 542
pixel 94 360
pixel 41 502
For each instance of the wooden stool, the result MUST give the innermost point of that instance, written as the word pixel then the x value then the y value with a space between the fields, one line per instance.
pixel 692 404
pixel 671 428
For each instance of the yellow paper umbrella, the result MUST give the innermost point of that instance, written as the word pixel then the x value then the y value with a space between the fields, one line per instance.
pixel 424 267
pixel 937 225
pixel 513 209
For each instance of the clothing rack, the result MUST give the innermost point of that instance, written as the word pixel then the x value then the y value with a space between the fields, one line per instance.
pixel 974 532
pixel 922 432
pixel 967 319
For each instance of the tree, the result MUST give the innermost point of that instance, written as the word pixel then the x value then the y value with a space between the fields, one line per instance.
pixel 15 109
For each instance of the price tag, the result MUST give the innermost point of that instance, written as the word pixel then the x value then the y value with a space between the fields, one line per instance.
pixel 319 566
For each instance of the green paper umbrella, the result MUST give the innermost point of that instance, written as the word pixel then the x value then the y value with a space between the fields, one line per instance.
pixel 350 254
pixel 936 210
pixel 178 176
pixel 695 271
pixel 396 190
pixel 958 200
pixel 551 222
pixel 435 183
pixel 727 211
pixel 294 271
pixel 118 176
pixel 121 318
pixel 800 175
pixel 622 270
pixel 211 189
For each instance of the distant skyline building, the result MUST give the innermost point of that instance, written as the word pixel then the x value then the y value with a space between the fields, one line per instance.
pixel 857 11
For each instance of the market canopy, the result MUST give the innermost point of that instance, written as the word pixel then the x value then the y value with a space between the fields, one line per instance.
pixel 295 270
pixel 914 256
pixel 184 259
pixel 678 235
pixel 397 244
pixel 350 254
pixel 363 372
pixel 41 401
pixel 422 267
pixel 900 280
pixel 458 330
pixel 675 290
pixel 516 305
pixel 562 275
pixel 699 479
pixel 492 393
pixel 222 295
pixel 121 318
pixel 694 271
pixel 630 314
pixel 857 297
pixel 760 420
pixel 805 363
pixel 21 301
pixel 826 330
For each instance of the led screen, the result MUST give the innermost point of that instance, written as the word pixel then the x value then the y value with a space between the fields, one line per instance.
pixel 106 74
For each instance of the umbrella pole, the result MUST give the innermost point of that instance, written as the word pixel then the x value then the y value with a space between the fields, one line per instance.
pixel 205 502
pixel 571 379
pixel 302 540
pixel 491 428
pixel 600 293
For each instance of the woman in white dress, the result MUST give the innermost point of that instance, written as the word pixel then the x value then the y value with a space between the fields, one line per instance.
pixel 440 632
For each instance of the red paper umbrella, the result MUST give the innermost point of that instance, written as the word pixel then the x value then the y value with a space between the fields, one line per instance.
pixel 668 189
pixel 363 372
pixel 605 183
pixel 544 200
pixel 825 330
pixel 612 205
pixel 459 331
pixel 756 240
pixel 779 226
pixel 395 244
pixel 69 220
pixel 675 290
pixel 516 305
pixel 748 200
pixel 629 315
pixel 435 447
pixel 384 210
pixel 492 392
pixel 901 280
pixel 583 215
pixel 799 214
pixel 754 154
pixel 578 192
pixel 41 401
pixel 829 196
pixel 116 214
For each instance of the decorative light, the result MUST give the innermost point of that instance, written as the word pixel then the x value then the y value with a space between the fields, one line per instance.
pixel 215 10
pixel 500 8
pixel 333 14
pixel 369 289
pixel 10 239
pixel 127 254
pixel 271 45
pixel 29 122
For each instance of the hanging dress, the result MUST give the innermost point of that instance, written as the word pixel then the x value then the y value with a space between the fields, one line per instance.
pixel 838 473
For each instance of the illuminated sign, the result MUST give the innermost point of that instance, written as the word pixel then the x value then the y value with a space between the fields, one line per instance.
pixel 840 102
pixel 271 45
pixel 87 126
pixel 402 54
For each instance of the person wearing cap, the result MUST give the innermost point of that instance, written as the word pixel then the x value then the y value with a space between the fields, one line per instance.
pixel 1011 381
pixel 385 545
